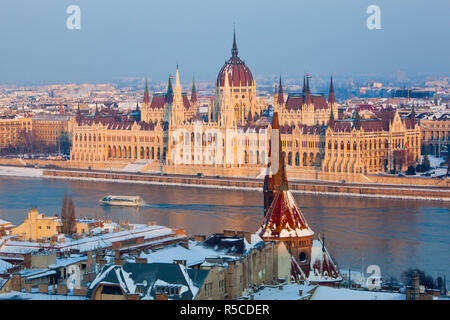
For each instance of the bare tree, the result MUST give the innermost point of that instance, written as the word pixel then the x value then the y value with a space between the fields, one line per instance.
pixel 68 216
pixel 71 223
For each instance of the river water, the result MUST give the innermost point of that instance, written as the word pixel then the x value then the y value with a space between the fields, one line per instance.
pixel 393 234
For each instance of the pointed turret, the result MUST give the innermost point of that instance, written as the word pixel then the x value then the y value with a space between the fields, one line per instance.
pixel 331 121
pixel 177 89
pixel 304 85
pixel 146 95
pixel 193 92
pixel 280 98
pixel 331 98
pixel 234 50
pixel 169 94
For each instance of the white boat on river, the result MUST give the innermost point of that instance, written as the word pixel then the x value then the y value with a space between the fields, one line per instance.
pixel 132 201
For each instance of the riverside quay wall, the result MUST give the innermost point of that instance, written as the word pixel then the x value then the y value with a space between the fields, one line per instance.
pixel 421 190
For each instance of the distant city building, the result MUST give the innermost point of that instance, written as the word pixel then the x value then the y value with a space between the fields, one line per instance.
pixel 12 128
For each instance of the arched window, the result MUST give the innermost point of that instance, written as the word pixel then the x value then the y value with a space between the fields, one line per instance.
pixel 302 257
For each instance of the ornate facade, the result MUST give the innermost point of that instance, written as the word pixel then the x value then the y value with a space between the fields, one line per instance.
pixel 233 138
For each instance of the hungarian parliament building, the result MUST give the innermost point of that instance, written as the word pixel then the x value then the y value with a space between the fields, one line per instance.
pixel 169 134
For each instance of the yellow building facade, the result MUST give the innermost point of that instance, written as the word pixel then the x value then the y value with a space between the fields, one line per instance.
pixel 37 227
pixel 435 135
pixel 50 128
pixel 10 129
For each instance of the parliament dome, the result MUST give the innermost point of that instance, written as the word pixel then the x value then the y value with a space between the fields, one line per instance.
pixel 239 75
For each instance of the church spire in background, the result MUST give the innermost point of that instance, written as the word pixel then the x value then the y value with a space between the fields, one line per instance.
pixel 280 97
pixel 146 95
pixel 193 92
pixel 331 98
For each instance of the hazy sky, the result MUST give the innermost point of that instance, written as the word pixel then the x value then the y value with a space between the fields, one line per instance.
pixel 138 38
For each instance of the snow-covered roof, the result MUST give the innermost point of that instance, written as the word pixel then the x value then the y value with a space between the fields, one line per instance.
pixel 329 293
pixel 289 291
pixel 150 276
pixel 5 223
pixel 284 219
pixel 4 266
pixel 322 266
pixel 198 252
pixel 91 243
pixel 67 261
pixel 34 273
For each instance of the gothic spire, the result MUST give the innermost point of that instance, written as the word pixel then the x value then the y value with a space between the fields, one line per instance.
pixel 234 50
pixel 193 92
pixel 146 95
pixel 280 98
pixel 304 84
pixel 169 94
pixel 331 98
pixel 331 121
pixel 177 82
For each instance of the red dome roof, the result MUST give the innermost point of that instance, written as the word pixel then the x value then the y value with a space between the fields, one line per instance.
pixel 238 73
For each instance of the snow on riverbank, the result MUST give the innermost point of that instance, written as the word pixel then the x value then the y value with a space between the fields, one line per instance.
pixel 20 171
pixel 38 173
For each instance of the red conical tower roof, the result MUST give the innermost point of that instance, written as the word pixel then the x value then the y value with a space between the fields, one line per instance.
pixel 284 219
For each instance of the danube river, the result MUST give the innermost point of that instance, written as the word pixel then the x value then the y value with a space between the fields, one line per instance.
pixel 394 234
